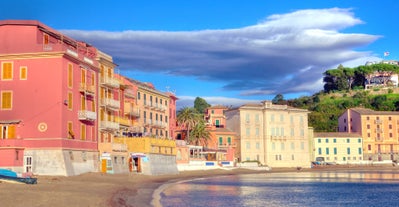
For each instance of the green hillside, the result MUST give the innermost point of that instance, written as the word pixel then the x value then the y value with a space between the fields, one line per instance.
pixel 325 108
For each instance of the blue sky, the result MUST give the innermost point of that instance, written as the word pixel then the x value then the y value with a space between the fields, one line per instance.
pixel 228 52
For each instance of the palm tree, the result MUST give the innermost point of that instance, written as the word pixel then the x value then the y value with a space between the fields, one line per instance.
pixel 188 117
pixel 199 134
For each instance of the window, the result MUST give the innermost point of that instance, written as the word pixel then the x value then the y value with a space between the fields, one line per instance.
pixel 247 131
pixel 327 151
pixel 335 150
pixel 281 118
pixel 319 140
pixel 335 140
pixel 319 151
pixel 7 131
pixel 369 147
pixel 302 145
pixel 282 131
pixel 23 73
pixel 273 146
pixel 220 140
pixel 6 71
pixel 247 118
pixel 257 145
pixel 272 118
pixel 368 126
pixel 348 140
pixel 360 150
pixel 71 135
pixel 292 132
pixel 282 146
pixel 257 132
pixel 326 140
pixel 6 100
pixel 257 118
pixel 248 145
pixel 46 39
pixel 70 75
pixel 292 146
pixel 229 140
pixel 70 99
pixel 138 95
pixel 348 151
pixel 359 140
pixel 83 132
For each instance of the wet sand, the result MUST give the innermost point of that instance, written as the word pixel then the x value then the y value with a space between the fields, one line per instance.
pixel 133 190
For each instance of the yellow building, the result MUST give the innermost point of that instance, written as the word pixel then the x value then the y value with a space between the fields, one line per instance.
pixel 274 135
pixel 113 157
pixel 338 147
pixel 379 130
pixel 150 156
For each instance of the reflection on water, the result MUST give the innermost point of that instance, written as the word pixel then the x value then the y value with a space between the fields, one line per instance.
pixel 360 188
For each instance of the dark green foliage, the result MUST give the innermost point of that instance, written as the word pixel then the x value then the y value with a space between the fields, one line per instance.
pixel 200 105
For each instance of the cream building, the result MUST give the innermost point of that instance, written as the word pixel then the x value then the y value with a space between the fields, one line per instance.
pixel 338 147
pixel 274 135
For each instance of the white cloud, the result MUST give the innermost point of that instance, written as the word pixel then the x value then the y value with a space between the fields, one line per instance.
pixel 188 101
pixel 256 59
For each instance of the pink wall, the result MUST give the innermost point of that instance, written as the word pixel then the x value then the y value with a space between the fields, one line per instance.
pixel 40 98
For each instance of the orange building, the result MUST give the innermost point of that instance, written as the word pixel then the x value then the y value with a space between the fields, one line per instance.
pixel 379 130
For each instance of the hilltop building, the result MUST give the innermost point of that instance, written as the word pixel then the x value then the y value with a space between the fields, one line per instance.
pixel 379 130
pixel 273 135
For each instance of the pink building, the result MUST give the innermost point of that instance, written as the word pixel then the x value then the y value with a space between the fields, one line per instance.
pixel 48 95
pixel 172 115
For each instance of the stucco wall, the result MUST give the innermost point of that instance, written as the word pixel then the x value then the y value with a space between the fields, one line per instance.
pixel 156 164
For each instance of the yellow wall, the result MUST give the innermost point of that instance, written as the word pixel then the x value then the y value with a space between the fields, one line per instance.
pixel 148 145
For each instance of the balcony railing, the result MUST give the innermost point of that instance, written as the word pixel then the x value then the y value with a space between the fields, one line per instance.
pixel 115 104
pixel 129 93
pixel 124 121
pixel 109 125
pixel 87 89
pixel 87 115
pixel 111 82
pixel 133 112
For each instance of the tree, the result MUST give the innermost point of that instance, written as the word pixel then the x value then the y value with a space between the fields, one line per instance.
pixel 200 104
pixel 199 134
pixel 278 99
pixel 188 117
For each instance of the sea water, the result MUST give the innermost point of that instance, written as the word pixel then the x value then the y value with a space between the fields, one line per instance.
pixel 339 188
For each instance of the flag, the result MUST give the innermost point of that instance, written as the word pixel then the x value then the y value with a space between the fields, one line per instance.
pixel 386 54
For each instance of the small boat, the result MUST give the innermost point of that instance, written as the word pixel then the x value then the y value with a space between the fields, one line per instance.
pixel 10 175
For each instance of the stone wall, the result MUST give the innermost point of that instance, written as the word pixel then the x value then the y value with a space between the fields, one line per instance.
pixel 158 164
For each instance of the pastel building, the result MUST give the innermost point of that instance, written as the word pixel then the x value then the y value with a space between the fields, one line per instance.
pixel 223 140
pixel 339 147
pixel 379 130
pixel 273 135
pixel 48 95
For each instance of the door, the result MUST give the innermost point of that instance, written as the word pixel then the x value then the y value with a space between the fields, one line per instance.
pixel 103 165
pixel 28 164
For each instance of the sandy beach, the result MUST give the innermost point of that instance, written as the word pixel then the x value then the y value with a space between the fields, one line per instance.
pixel 96 189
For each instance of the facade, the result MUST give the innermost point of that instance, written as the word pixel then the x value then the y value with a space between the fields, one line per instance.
pixel 48 87
pixel 154 110
pixel 339 147
pixel 172 115
pixel 379 130
pixel 223 141
pixel 274 135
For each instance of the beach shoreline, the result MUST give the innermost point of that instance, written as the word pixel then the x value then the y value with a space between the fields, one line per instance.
pixel 130 190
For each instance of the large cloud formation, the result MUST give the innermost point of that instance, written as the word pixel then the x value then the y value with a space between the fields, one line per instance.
pixel 285 53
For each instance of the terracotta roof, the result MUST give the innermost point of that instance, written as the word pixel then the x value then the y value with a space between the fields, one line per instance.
pixel 335 134
pixel 365 111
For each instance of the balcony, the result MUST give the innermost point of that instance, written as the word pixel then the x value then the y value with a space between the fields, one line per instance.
pixel 110 82
pixel 124 121
pixel 109 125
pixel 87 115
pixel 87 89
pixel 129 93
pixel 133 112
pixel 378 121
pixel 113 104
